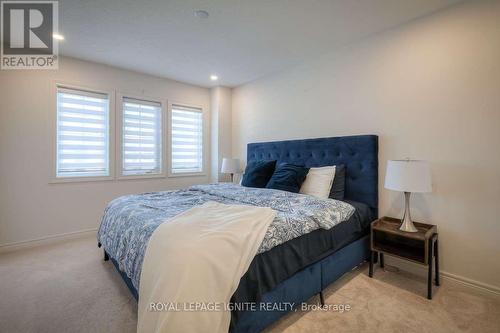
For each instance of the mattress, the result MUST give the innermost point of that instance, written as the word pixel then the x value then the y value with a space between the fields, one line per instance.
pixel 272 267
pixel 129 221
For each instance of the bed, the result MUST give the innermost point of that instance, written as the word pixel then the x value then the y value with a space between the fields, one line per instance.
pixel 294 268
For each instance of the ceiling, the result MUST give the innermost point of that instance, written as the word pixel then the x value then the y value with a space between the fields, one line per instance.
pixel 240 41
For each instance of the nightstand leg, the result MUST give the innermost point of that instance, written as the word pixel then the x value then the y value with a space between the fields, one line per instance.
pixel 436 258
pixel 372 255
pixel 106 257
pixel 381 260
pixel 322 298
pixel 429 262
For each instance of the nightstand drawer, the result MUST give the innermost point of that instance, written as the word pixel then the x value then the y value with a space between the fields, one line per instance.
pixel 399 246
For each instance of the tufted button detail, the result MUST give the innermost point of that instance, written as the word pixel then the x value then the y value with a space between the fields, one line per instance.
pixel 358 154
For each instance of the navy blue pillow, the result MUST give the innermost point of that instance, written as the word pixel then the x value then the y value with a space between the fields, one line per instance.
pixel 258 173
pixel 338 186
pixel 288 177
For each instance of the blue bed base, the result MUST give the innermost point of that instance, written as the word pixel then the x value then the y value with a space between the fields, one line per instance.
pixel 360 156
pixel 304 284
pixel 297 289
pixel 127 280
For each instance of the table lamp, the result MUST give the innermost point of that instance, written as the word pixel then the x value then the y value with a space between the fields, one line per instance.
pixel 408 176
pixel 230 165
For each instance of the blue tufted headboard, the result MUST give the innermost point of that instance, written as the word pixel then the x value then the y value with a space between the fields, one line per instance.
pixel 358 153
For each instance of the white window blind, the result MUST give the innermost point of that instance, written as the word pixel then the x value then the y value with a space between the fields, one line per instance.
pixel 141 137
pixel 82 133
pixel 187 139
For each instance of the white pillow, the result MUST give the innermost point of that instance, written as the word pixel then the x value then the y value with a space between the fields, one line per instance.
pixel 319 182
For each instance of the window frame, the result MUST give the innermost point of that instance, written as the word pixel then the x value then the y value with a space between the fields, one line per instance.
pixel 54 131
pixel 119 138
pixel 203 143
pixel 115 133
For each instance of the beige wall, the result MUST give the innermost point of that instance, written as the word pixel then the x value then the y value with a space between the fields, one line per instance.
pixel 30 207
pixel 431 90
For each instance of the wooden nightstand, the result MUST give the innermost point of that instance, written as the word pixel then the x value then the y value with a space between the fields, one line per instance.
pixel 420 247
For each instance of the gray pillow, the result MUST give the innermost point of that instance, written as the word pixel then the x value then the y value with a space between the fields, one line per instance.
pixel 338 186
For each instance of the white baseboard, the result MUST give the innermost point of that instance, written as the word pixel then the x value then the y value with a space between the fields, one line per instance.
pixel 16 246
pixel 446 276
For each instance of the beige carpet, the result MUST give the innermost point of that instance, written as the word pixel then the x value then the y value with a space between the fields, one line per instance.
pixel 69 288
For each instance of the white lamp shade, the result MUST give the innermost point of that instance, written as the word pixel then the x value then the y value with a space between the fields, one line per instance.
pixel 408 176
pixel 230 165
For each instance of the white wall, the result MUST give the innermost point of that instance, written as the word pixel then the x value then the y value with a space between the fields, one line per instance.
pixel 220 100
pixel 30 207
pixel 431 90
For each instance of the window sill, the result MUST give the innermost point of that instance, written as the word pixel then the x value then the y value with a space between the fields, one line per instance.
pixel 68 180
pixel 187 174
pixel 142 176
pixel 63 180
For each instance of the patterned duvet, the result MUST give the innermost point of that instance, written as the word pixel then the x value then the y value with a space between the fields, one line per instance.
pixel 129 221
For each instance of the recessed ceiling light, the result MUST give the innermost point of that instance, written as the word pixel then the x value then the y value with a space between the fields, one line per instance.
pixel 214 77
pixel 203 14
pixel 58 37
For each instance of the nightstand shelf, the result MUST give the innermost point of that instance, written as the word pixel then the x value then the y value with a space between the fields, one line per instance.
pixel 420 247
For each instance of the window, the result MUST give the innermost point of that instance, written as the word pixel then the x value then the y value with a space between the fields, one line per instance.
pixel 82 143
pixel 141 137
pixel 187 139
pixel 85 136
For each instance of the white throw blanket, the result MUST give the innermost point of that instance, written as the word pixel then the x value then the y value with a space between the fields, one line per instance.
pixel 196 260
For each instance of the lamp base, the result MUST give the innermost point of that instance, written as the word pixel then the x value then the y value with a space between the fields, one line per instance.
pixel 406 223
pixel 408 226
